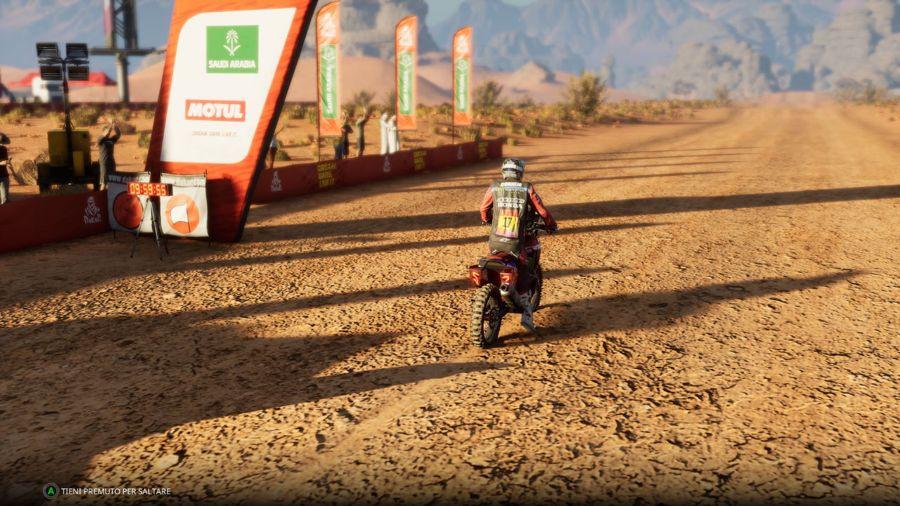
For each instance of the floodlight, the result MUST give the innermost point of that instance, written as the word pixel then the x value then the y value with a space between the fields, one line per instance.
pixel 76 51
pixel 47 50
pixel 79 72
pixel 52 72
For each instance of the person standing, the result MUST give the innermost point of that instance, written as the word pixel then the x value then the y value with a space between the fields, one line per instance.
pixel 4 170
pixel 361 132
pixel 270 155
pixel 342 143
pixel 393 136
pixel 384 133
pixel 107 158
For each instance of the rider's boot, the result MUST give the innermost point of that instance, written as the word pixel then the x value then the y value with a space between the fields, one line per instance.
pixel 527 313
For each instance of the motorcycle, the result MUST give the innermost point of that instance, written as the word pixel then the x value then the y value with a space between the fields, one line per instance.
pixel 502 282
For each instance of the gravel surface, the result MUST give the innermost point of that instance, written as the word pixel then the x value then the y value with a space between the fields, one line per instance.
pixel 721 325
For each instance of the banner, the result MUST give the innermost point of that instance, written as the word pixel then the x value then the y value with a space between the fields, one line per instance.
pixel 128 213
pixel 184 213
pixel 406 51
pixel 462 77
pixel 227 70
pixel 328 62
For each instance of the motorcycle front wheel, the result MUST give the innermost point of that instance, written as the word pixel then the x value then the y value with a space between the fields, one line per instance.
pixel 487 313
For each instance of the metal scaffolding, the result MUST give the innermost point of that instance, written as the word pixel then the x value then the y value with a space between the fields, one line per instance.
pixel 120 26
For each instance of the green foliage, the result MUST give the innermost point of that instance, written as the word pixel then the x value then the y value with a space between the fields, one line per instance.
pixel 723 95
pixel 472 133
pixel 533 129
pixel 312 115
pixel 866 92
pixel 144 139
pixel 282 156
pixel 15 115
pixel 585 94
pixel 85 115
pixel 511 141
pixel 294 112
pixel 487 96
pixel 362 100
pixel 390 103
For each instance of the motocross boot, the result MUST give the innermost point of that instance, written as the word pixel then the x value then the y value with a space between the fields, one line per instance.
pixel 527 313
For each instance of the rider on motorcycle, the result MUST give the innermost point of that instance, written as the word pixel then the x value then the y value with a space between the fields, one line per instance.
pixel 512 207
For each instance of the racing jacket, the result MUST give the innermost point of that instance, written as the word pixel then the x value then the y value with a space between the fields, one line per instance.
pixel 508 206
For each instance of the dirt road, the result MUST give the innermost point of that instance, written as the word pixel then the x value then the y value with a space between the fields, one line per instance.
pixel 721 323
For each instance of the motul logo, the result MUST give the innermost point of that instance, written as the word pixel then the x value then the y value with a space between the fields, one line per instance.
pixel 215 110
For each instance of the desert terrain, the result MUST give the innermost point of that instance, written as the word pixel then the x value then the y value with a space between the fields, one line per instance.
pixel 721 322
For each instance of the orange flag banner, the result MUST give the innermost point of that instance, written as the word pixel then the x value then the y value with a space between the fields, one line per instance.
pixel 406 51
pixel 328 63
pixel 462 77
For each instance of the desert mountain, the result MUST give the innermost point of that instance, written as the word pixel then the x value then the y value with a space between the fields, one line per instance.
pixel 375 75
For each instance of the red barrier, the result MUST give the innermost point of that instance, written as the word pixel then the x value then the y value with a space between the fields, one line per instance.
pixel 31 222
pixel 301 179
pixel 35 221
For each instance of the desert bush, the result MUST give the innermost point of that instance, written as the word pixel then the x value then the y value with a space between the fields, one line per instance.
pixel 25 173
pixel 871 93
pixel 585 94
pixel 312 115
pixel 127 128
pixel 533 129
pixel 525 103
pixel 445 110
pixel 294 112
pixel 471 134
pixel 144 139
pixel 487 96
pixel 390 102
pixel 85 115
pixel 282 156
pixel 511 141
pixel 15 115
pixel 723 95
pixel 148 114
pixel 362 100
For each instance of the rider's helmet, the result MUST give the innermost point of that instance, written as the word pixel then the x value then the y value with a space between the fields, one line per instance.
pixel 513 169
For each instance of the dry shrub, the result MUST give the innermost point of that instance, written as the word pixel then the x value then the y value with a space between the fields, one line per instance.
pixel 25 173
pixel 85 115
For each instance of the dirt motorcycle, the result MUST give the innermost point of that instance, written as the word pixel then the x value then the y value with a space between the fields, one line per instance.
pixel 502 282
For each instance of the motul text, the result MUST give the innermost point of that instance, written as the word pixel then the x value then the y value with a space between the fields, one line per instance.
pixel 215 110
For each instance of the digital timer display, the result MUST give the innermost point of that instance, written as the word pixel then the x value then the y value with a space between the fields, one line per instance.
pixel 149 189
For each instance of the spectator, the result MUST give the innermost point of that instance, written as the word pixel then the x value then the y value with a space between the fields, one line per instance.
pixel 346 130
pixel 4 170
pixel 270 155
pixel 393 135
pixel 361 132
pixel 384 133
pixel 107 145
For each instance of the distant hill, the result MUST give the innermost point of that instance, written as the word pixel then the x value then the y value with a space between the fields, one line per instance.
pixel 751 46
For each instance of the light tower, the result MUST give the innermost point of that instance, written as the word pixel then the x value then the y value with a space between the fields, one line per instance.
pixel 120 27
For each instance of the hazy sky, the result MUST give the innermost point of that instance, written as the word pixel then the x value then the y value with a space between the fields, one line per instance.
pixel 438 10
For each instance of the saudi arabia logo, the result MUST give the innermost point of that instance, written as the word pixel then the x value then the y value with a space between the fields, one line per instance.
pixel 232 49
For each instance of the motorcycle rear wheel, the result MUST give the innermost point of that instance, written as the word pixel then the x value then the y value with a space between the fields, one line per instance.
pixel 487 314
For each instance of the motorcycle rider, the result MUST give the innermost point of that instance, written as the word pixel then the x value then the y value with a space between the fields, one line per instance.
pixel 511 206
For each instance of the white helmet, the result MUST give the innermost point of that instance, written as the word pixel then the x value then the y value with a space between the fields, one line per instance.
pixel 513 168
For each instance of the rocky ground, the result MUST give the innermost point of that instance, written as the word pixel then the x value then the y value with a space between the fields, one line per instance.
pixel 721 325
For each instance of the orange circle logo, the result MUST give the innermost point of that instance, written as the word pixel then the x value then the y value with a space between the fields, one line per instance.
pixel 128 211
pixel 182 214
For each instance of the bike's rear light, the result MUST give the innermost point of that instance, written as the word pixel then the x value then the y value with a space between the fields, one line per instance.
pixel 508 277
pixel 476 276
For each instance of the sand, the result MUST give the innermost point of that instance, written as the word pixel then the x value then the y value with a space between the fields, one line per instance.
pixel 720 325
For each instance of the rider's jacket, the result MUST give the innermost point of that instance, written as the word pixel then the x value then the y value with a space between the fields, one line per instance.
pixel 509 206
